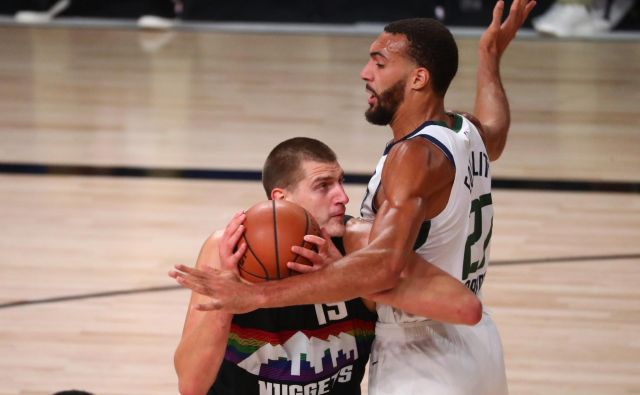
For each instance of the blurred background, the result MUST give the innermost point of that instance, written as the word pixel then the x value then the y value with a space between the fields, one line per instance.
pixel 130 130
pixel 454 13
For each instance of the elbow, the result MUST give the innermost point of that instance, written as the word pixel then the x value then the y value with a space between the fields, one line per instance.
pixel 470 310
pixel 495 133
pixel 192 386
pixel 186 388
pixel 496 147
pixel 192 381
pixel 189 388
pixel 495 152
pixel 391 272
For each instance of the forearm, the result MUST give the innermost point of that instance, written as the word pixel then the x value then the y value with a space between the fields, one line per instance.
pixel 449 308
pixel 375 268
pixel 428 291
pixel 201 351
pixel 492 105
pixel 361 273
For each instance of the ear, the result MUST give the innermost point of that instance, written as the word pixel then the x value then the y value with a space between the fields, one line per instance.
pixel 278 194
pixel 420 78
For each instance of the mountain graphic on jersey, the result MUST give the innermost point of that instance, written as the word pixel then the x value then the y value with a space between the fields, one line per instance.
pixel 302 357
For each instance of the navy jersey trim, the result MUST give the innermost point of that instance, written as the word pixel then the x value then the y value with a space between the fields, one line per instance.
pixel 457 125
pixel 410 135
pixel 373 199
pixel 423 234
pixel 442 147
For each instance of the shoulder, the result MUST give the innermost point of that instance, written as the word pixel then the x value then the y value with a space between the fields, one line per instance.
pixel 415 164
pixel 213 240
pixel 356 235
pixel 476 122
pixel 209 250
pixel 419 150
pixel 358 224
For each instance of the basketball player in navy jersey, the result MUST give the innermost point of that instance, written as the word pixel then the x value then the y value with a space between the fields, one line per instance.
pixel 434 174
pixel 262 352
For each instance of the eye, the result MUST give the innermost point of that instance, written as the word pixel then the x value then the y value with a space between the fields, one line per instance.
pixel 380 65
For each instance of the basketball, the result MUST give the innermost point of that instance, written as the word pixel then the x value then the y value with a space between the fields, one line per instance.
pixel 271 229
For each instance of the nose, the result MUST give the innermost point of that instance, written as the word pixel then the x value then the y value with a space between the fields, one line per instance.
pixel 342 197
pixel 365 74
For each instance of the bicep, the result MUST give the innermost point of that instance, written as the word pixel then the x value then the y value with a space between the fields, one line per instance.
pixel 415 173
pixel 397 224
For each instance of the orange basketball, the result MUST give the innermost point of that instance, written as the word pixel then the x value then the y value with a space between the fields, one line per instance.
pixel 271 229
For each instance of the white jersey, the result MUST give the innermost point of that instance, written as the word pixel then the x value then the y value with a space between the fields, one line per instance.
pixel 457 239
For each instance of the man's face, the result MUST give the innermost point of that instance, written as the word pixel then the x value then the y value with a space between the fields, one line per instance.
pixel 321 193
pixel 386 74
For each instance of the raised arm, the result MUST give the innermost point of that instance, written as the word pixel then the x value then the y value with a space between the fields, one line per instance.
pixel 204 336
pixel 491 106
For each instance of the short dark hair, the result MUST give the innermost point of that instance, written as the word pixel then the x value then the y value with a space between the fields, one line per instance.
pixel 282 169
pixel 432 46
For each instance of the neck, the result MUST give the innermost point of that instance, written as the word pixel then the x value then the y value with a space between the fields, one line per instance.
pixel 410 116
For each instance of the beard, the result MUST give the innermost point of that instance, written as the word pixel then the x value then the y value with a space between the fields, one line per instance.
pixel 384 110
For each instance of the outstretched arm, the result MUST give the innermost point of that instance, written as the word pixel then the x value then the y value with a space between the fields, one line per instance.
pixel 431 292
pixel 423 289
pixel 204 336
pixel 375 268
pixel 492 106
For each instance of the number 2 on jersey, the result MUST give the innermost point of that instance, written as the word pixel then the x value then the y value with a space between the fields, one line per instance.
pixel 476 210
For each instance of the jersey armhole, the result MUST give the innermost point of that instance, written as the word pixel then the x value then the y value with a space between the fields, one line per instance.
pixel 441 146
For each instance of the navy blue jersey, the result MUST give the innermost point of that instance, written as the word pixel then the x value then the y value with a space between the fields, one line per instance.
pixel 309 349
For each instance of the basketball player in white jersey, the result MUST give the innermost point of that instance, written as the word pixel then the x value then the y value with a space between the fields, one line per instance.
pixel 435 175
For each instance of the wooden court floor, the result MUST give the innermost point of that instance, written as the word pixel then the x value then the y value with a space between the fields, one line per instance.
pixel 85 302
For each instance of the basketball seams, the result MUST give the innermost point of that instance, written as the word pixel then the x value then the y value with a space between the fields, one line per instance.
pixel 262 223
pixel 262 265
pixel 306 231
pixel 275 239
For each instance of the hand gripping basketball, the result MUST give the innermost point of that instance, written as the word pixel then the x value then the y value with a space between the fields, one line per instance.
pixel 271 229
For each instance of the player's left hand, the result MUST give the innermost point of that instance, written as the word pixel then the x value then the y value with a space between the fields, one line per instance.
pixel 496 38
pixel 226 289
pixel 231 246
pixel 326 253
